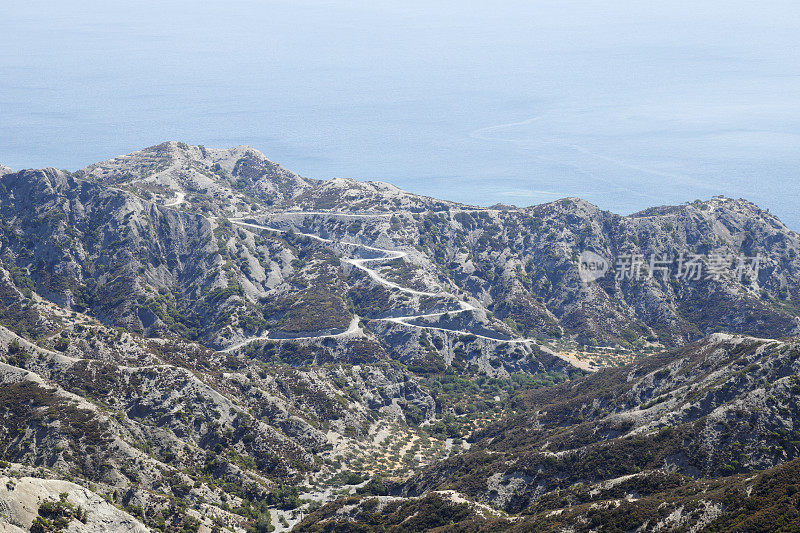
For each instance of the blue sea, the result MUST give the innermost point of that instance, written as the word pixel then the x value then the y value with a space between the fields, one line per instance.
pixel 627 104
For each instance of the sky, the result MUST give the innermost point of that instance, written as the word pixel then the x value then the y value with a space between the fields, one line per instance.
pixel 627 104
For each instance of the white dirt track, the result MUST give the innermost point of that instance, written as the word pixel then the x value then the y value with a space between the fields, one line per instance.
pixel 389 255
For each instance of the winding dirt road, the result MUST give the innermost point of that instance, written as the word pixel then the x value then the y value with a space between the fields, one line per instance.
pixel 389 255
pixel 386 255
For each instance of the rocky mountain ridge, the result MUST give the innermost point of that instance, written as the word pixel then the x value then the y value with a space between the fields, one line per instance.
pixel 519 264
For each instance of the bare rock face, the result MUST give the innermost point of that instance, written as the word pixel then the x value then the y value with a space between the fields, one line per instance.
pixel 21 500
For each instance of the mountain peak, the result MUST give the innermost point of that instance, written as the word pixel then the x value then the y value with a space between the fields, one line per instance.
pixel 211 179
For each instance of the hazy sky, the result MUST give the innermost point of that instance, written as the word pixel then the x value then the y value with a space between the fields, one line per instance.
pixel 627 104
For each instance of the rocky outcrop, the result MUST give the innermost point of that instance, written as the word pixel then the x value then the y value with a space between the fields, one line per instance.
pixel 21 502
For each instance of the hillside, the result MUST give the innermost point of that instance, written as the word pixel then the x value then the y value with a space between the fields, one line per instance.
pixel 205 339
pixel 670 442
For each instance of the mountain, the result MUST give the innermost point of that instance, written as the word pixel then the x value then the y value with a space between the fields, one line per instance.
pixel 206 339
pixel 518 264
pixel 521 264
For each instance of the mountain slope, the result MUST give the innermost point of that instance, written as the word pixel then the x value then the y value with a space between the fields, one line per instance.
pixel 206 339
pixel 721 406
pixel 166 271
pixel 703 438
pixel 519 264
pixel 522 264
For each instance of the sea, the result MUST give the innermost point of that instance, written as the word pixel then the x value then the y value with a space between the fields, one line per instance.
pixel 627 104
